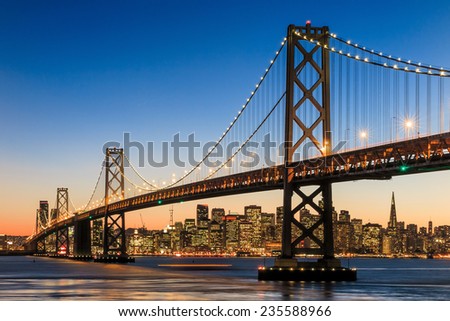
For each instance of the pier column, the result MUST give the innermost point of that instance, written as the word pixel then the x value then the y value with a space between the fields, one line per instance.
pixel 82 238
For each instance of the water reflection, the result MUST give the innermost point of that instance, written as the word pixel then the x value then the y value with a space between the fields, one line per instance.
pixel 51 279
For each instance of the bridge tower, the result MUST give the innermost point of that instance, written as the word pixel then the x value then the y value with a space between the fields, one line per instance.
pixel 39 245
pixel 62 212
pixel 306 140
pixel 114 244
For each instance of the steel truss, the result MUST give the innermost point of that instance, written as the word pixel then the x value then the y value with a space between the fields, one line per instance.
pixel 62 203
pixel 62 240
pixel 114 224
pixel 299 97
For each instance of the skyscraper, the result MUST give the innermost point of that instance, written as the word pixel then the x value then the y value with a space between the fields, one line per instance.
pixel 252 214
pixel 371 238
pixel 189 224
pixel 202 215
pixel 392 240
pixel 231 231
pixel 279 215
pixel 217 215
pixel 392 225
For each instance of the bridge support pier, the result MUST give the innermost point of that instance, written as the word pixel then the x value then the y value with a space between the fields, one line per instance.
pixel 114 242
pixel 82 240
pixel 317 230
pixel 62 242
pixel 40 246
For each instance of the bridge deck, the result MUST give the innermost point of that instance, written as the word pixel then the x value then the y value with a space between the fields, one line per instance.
pixel 418 155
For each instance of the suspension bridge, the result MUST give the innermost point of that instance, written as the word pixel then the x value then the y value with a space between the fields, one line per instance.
pixel 325 110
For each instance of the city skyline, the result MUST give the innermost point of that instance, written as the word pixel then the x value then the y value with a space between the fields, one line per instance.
pixel 78 87
pixel 209 215
pixel 253 231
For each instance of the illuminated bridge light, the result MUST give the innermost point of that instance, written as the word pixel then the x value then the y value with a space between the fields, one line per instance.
pixel 403 168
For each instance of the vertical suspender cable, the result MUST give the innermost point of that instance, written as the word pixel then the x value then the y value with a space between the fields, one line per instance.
pixel 429 130
pixel 418 104
pixel 441 105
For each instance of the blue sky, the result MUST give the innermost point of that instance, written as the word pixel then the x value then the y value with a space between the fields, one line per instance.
pixel 76 74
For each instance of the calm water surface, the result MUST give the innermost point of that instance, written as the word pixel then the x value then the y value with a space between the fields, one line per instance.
pixel 21 278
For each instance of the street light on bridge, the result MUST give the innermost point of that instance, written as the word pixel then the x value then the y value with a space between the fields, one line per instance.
pixel 409 124
pixel 364 137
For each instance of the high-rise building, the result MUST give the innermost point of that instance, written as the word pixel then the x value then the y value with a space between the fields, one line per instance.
pixel 186 240
pixel 411 238
pixel 423 230
pixel 392 241
pixel 371 238
pixel 200 240
pixel 268 227
pixel 344 216
pixel 178 226
pixel 342 237
pixel 279 223
pixel 217 215
pixel 189 224
pixel 97 236
pixel 412 229
pixel 392 225
pixel 252 213
pixel 356 235
pixel 279 215
pixel 231 232
pixel 202 215
pixel 388 244
pixel 246 234
pixel 215 236
pixel 430 228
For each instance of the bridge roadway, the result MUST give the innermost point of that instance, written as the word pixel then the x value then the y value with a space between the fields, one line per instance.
pixel 417 155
